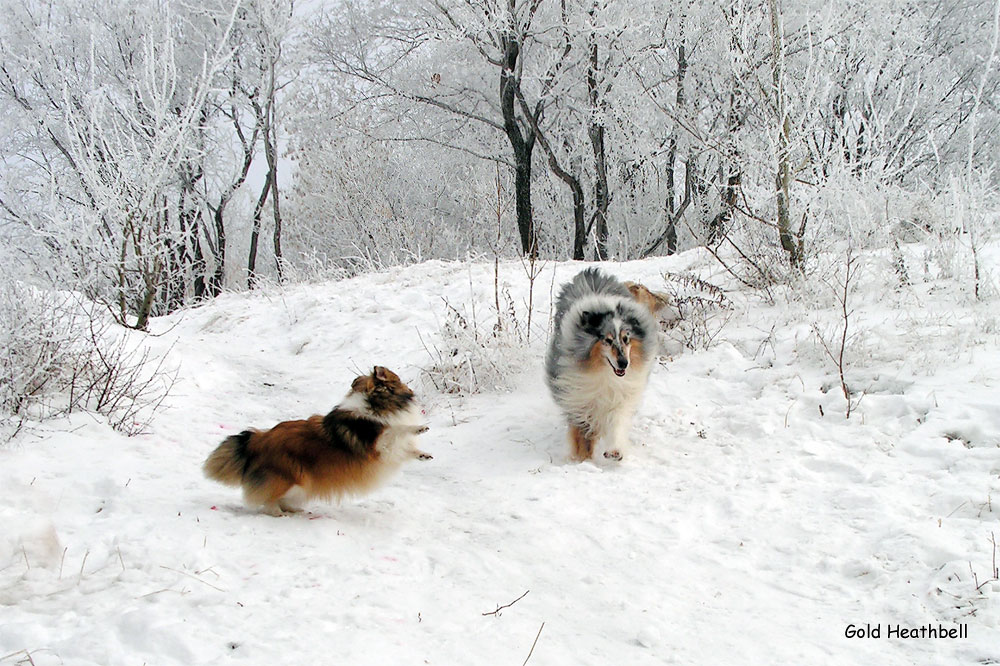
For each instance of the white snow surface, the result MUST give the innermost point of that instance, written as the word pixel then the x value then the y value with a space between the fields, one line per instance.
pixel 750 521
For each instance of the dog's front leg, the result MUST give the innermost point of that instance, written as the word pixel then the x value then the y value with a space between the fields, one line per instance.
pixel 619 436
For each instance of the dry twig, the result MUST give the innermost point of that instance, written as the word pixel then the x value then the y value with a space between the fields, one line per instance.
pixel 500 608
pixel 532 650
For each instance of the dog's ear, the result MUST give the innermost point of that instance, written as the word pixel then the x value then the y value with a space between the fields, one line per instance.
pixel 363 384
pixel 384 375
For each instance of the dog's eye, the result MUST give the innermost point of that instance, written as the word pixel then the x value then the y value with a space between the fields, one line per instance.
pixel 624 338
pixel 609 339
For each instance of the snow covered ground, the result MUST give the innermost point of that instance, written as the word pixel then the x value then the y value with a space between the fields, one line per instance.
pixel 750 522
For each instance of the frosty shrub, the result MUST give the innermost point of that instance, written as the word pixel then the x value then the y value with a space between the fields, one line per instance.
pixel 836 339
pixel 37 345
pixel 471 356
pixel 970 224
pixel 698 311
pixel 60 356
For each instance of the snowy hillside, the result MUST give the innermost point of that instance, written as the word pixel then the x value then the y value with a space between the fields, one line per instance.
pixel 750 522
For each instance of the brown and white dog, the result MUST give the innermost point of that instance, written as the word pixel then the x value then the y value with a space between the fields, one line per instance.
pixel 602 349
pixel 349 451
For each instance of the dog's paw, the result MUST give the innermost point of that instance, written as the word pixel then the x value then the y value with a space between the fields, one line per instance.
pixel 613 454
pixel 424 456
pixel 421 429
pixel 272 510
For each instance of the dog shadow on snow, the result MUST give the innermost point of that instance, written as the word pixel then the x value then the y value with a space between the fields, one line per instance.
pixel 358 512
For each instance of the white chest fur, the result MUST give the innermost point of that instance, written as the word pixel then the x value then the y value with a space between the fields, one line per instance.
pixel 399 439
pixel 599 399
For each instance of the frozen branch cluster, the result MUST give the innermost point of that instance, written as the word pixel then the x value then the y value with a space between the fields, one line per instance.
pixel 61 356
pixel 155 162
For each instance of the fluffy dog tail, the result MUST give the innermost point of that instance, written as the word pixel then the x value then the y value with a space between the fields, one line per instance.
pixel 228 461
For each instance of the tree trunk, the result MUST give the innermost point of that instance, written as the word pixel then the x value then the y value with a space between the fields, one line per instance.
pixel 522 196
pixel 265 117
pixel 271 155
pixel 579 221
pixel 219 274
pixel 151 271
pixel 730 173
pixel 728 196
pixel 783 175
pixel 671 227
pixel 258 211
pixel 672 217
pixel 595 130
pixel 670 234
pixel 521 144
pixel 195 212
pixel 190 254
pixel 218 214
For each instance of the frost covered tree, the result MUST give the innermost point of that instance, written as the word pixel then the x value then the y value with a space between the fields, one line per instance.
pixel 125 122
pixel 540 74
pixel 117 111
pixel 464 64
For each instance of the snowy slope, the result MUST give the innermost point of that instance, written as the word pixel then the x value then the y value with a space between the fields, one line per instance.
pixel 750 522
